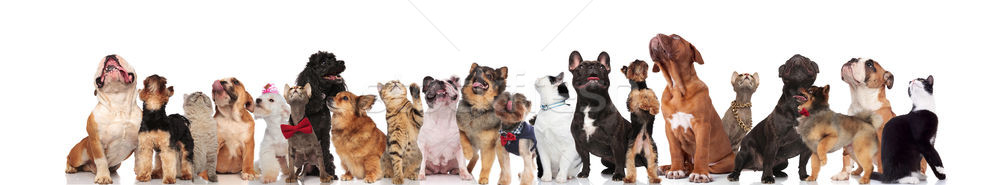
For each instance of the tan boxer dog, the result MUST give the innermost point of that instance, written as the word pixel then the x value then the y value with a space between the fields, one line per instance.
pixel 233 106
pixel 113 125
pixel 868 82
pixel 694 130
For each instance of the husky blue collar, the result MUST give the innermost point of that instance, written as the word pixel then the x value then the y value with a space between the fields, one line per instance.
pixel 554 105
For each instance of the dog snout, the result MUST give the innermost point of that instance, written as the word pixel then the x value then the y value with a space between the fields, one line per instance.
pixel 259 100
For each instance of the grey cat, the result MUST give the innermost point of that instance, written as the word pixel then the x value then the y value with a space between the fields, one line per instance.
pixel 737 120
pixel 198 109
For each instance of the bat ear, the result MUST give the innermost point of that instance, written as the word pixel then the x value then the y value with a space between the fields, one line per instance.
pixel 889 79
pixel 604 59
pixel 574 60
pixel 427 82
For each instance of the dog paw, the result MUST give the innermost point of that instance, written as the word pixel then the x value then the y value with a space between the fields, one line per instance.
pixel 327 178
pixel 546 178
pixel 940 170
pixel 372 179
pixel 767 179
pixel 583 175
pixel 857 171
pixel 864 181
pixel 169 180
pixel 700 178
pixel 466 176
pixel 619 177
pixel 267 179
pixel 141 178
pixel 811 178
pixel 346 177
pixel 248 175
pixel 70 169
pixel 679 174
pixel 608 171
pixel 561 180
pixel 397 180
pixel 842 176
pixel 504 179
pixel 484 180
pixel 780 174
pixel 734 177
pixel 291 179
pixel 105 179
pixel 654 180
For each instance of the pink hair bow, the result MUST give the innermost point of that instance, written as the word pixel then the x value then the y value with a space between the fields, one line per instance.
pixel 269 88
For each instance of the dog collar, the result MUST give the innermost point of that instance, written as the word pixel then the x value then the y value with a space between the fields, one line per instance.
pixel 304 126
pixel 554 105
pixel 804 112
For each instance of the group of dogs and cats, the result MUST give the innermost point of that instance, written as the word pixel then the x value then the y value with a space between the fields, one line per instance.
pixel 476 120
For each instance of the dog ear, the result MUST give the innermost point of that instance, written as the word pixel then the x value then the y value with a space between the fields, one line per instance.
pixel 473 69
pixel 574 60
pixel 502 72
pixel 454 82
pixel 697 55
pixel 308 89
pixel 143 94
pixel 427 82
pixel 734 77
pixel 170 91
pixel 249 104
pixel 826 91
pixel 782 72
pixel 604 59
pixel 889 79
pixel 930 79
pixel 365 103
pixel 625 70
pixel 656 67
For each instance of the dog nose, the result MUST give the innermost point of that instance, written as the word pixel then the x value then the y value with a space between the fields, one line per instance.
pixel 259 100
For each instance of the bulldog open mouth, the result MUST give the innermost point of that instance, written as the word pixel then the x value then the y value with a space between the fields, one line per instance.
pixel 114 71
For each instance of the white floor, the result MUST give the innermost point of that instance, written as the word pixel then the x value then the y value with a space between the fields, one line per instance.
pixel 126 176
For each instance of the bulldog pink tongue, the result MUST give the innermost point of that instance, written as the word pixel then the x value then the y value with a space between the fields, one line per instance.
pixel 593 78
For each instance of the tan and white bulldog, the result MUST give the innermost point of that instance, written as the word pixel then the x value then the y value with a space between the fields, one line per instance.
pixel 868 82
pixel 113 125
pixel 233 106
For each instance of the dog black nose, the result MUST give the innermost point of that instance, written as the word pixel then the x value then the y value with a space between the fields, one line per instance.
pixel 259 100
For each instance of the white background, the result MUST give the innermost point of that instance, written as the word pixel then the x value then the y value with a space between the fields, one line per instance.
pixel 49 50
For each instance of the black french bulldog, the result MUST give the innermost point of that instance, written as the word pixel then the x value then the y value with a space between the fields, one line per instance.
pixel 770 144
pixel 597 126
pixel 323 73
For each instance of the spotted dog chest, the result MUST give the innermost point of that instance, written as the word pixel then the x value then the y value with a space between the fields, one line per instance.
pixel 680 125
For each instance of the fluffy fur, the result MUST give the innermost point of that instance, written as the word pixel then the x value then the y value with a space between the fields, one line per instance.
pixel 439 140
pixel 773 141
pixel 694 130
pixel 168 136
pixel 233 106
pixel 359 143
pixel 404 119
pixel 511 109
pixel 198 110
pixel 737 119
pixel 303 148
pixel 910 137
pixel 323 72
pixel 868 82
pixel 825 131
pixel 271 107
pixel 597 126
pixel 478 124
pixel 113 125
pixel 643 107
pixel 556 148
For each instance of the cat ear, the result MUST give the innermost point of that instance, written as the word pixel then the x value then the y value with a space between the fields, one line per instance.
pixel 308 89
pixel 559 78
pixel 930 79
pixel 733 78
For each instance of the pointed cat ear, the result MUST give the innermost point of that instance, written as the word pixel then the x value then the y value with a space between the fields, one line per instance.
pixel 930 79
pixel 733 78
pixel 308 88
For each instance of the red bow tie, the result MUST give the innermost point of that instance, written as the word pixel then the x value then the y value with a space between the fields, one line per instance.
pixel 508 137
pixel 804 112
pixel 304 126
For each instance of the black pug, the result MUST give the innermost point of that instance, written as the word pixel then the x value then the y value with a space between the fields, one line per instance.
pixel 908 138
pixel 597 126
pixel 323 73
pixel 770 144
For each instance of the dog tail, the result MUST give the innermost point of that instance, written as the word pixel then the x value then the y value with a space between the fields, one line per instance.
pixel 871 117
